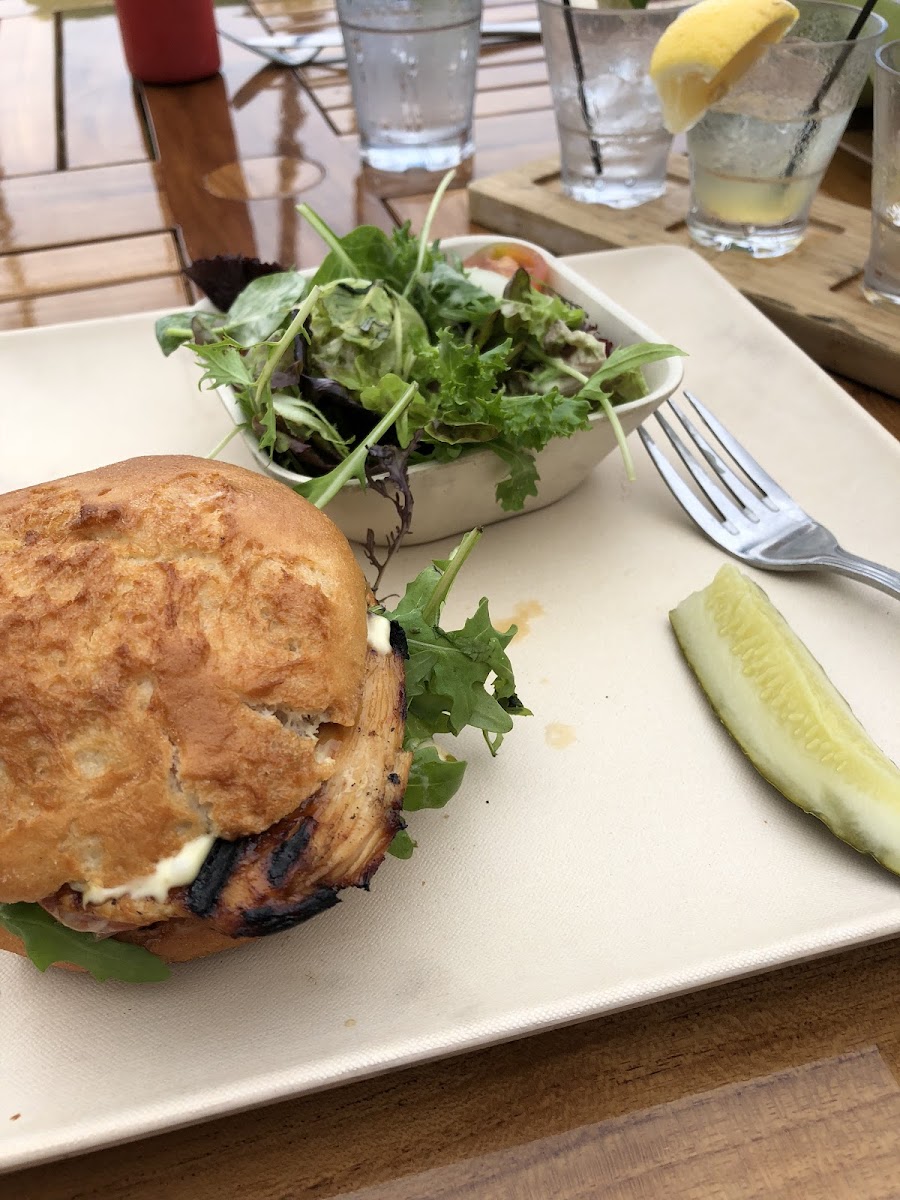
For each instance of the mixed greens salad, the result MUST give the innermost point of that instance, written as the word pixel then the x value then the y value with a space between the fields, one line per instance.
pixel 501 364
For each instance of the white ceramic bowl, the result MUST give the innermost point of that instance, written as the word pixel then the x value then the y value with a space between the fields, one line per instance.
pixel 451 498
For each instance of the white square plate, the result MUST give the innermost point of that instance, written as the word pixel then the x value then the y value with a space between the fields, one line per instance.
pixel 643 858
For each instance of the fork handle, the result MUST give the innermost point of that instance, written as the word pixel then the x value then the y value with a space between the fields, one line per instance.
pixel 863 569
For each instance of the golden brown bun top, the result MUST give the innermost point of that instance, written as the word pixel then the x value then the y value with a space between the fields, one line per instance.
pixel 164 622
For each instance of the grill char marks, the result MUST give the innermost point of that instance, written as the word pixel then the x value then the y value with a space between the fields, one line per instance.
pixel 288 854
pixel 151 604
pixel 268 882
pixel 203 893
pixel 260 922
pixel 398 640
pixel 337 838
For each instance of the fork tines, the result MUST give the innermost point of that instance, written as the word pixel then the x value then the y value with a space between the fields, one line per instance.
pixel 736 503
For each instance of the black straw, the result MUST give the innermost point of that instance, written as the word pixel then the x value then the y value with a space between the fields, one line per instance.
pixel 810 127
pixel 596 157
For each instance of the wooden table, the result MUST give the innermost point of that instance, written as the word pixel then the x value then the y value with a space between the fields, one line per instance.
pixel 781 1085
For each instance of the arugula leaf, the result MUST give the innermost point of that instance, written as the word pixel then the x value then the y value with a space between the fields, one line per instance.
pixel 626 359
pixel 434 778
pixel 47 941
pixel 454 678
pixel 263 413
pixel 425 233
pixel 402 845
pixel 459 677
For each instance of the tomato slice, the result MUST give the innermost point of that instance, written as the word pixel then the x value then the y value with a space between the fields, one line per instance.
pixel 506 258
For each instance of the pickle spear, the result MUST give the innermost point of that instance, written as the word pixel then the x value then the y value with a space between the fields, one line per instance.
pixel 788 718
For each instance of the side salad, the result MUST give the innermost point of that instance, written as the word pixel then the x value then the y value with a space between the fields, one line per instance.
pixel 497 360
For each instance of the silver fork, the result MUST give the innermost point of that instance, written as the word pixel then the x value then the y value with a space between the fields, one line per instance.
pixel 766 528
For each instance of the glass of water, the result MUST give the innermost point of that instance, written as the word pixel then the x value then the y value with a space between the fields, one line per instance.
pixel 758 156
pixel 882 277
pixel 412 67
pixel 613 145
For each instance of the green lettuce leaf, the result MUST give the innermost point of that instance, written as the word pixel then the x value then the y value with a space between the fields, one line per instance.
pixel 362 331
pixel 434 778
pixel 402 845
pixel 223 364
pixel 465 380
pixel 532 420
pixel 522 480
pixel 446 296
pixel 454 679
pixel 624 363
pixel 264 305
pixel 47 942
pixel 525 310
pixel 381 397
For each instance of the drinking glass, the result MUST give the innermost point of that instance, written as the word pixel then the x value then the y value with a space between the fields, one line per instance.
pixel 613 145
pixel 882 277
pixel 412 67
pixel 757 157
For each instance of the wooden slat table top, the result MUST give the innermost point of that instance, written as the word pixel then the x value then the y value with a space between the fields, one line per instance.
pixel 106 191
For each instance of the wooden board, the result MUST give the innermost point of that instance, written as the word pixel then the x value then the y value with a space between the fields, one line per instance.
pixel 813 294
pixel 823 1129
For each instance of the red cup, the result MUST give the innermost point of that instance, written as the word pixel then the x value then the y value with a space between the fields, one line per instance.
pixel 169 41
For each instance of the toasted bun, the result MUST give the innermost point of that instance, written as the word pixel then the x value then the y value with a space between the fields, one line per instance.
pixel 165 625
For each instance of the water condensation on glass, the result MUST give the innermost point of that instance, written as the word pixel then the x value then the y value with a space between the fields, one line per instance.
pixel 882 274
pixel 412 67
pixel 758 156
pixel 613 145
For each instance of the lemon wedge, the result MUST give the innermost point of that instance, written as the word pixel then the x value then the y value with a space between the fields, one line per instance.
pixel 707 49
pixel 786 715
